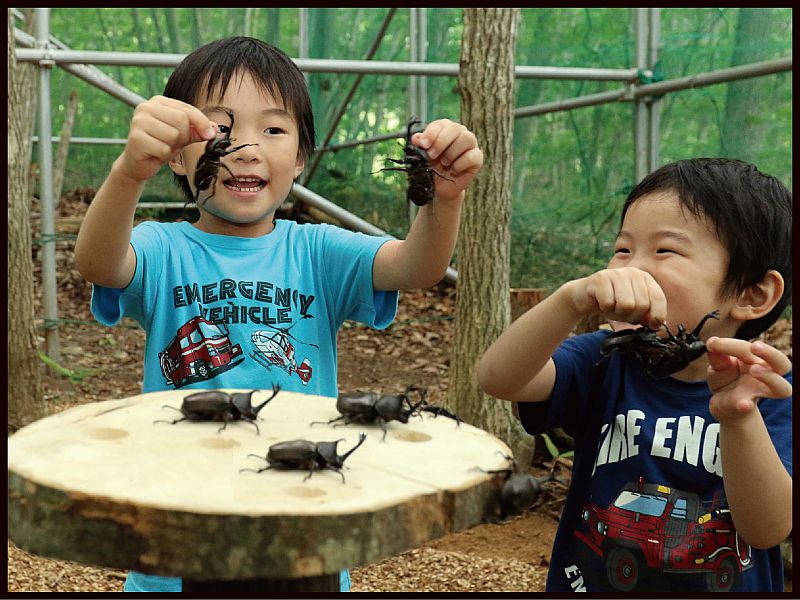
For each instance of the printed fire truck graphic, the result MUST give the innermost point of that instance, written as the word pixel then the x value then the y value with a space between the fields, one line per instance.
pixel 200 350
pixel 273 349
pixel 652 528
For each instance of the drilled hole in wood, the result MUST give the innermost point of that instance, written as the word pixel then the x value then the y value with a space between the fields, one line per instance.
pixel 411 436
pixel 219 442
pixel 305 491
pixel 107 433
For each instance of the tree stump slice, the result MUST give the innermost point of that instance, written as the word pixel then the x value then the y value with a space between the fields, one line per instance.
pixel 103 484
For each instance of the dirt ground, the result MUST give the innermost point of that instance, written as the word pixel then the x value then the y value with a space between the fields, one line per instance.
pixel 107 363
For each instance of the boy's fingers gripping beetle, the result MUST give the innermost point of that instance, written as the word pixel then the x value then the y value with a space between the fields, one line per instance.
pixel 659 356
pixel 417 166
pixel 303 454
pixel 215 405
pixel 205 175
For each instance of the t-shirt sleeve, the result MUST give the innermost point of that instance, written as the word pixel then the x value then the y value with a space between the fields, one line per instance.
pixel 575 361
pixel 109 305
pixel 348 259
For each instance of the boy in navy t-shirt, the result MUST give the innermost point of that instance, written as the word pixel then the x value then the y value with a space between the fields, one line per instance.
pixel 681 482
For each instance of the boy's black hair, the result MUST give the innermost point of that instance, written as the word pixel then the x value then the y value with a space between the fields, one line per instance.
pixel 214 64
pixel 752 215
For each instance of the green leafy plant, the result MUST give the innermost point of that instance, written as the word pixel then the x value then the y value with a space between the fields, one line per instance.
pixel 553 449
pixel 73 375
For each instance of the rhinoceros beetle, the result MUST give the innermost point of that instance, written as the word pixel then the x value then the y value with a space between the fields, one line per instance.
pixel 205 174
pixel 416 165
pixel 216 405
pixel 519 490
pixel 303 454
pixel 659 356
pixel 371 407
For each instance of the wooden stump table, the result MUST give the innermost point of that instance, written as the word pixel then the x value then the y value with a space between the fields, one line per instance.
pixel 104 484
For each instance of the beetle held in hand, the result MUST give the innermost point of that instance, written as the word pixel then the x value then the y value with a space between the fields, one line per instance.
pixel 421 186
pixel 659 356
pixel 205 174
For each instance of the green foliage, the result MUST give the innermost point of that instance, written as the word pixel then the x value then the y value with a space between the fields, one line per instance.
pixel 73 375
pixel 553 449
pixel 572 169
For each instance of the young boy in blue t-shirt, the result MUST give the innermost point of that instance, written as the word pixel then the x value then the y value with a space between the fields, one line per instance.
pixel 682 482
pixel 240 299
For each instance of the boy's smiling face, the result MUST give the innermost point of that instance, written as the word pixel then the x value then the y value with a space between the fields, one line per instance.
pixel 684 255
pixel 244 205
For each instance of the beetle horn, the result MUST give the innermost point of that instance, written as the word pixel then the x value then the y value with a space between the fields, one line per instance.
pixel 714 314
pixel 275 389
pixel 361 438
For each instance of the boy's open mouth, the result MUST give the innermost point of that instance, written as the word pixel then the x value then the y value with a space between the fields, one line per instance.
pixel 244 184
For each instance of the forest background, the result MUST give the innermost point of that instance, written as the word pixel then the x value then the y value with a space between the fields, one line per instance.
pixel 572 169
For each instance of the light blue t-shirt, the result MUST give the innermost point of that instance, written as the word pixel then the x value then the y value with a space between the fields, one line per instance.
pixel 232 312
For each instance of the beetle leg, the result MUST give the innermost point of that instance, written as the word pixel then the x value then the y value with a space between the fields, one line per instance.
pixel 224 424
pixel 170 422
pixel 310 473
pixel 440 175
pixel 339 472
pixel 257 470
pixel 254 424
pixel 403 169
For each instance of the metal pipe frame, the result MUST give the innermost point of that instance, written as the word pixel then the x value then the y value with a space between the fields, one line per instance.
pixel 46 201
pixel 88 73
pixel 641 122
pixel 320 65
pixel 350 220
pixel 759 69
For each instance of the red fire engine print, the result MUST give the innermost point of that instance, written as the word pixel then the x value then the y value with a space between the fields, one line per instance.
pixel 200 350
pixel 652 532
pixel 273 348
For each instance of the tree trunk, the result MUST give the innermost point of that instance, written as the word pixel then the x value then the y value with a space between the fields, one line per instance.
pixel 482 292
pixel 26 403
pixel 743 130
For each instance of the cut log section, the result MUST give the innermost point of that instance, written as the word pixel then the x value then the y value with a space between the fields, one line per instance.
pixel 105 484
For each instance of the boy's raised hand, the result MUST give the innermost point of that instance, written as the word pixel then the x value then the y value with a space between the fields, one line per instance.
pixel 624 294
pixel 740 372
pixel 159 128
pixel 453 151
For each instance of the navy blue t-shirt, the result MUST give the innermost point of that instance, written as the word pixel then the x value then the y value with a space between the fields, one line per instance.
pixel 646 509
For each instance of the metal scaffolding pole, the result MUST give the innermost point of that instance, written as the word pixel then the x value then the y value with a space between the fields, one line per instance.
pixel 88 73
pixel 641 123
pixel 322 65
pixel 351 220
pixel 767 67
pixel 303 26
pixel 46 201
pixel 654 104
pixel 86 140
